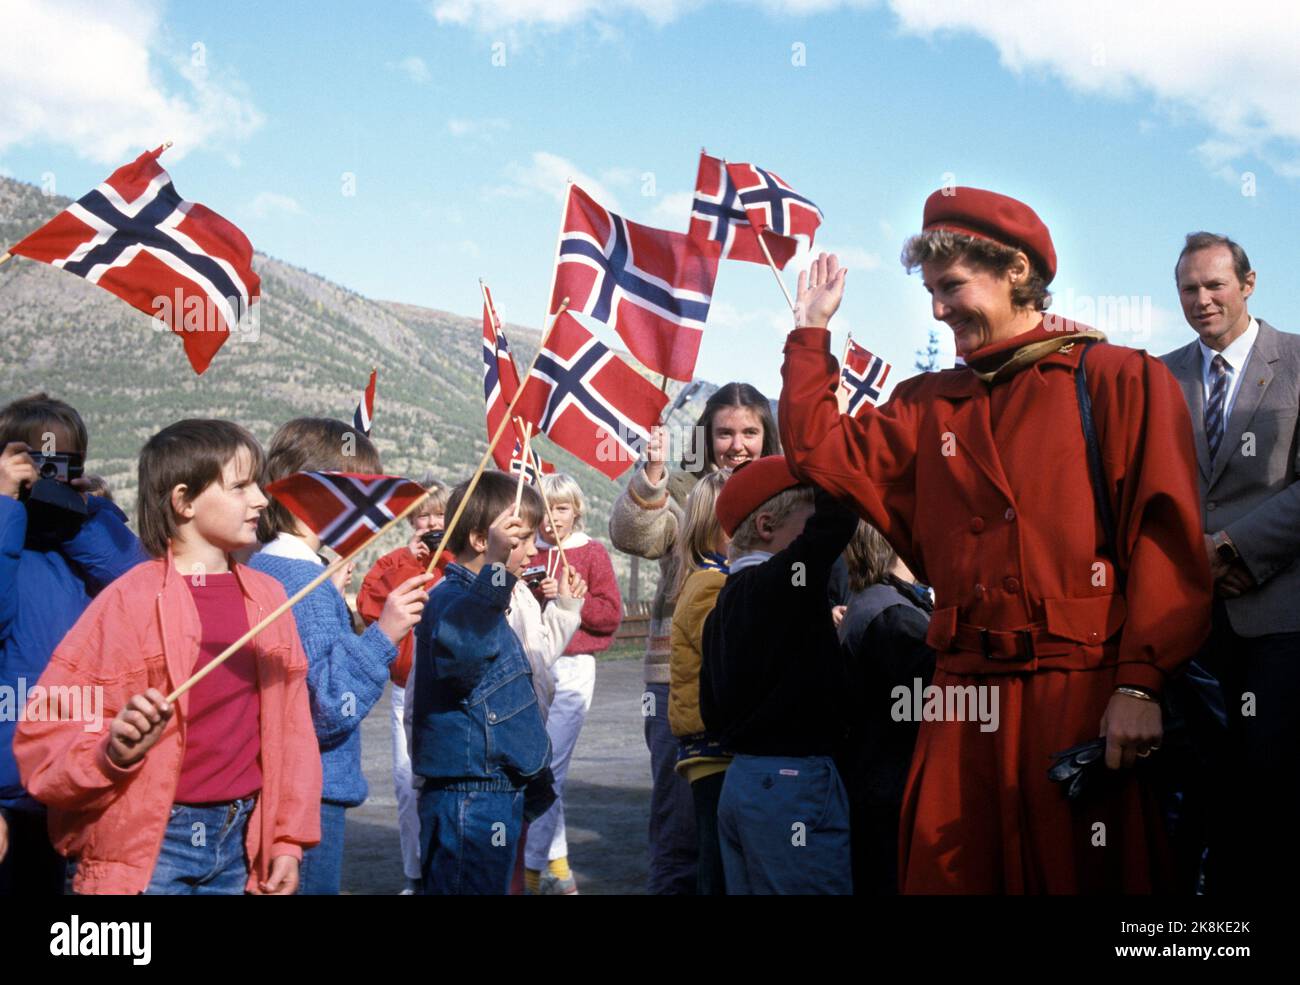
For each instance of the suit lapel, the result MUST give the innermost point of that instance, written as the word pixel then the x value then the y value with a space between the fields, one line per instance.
pixel 1255 378
pixel 1185 364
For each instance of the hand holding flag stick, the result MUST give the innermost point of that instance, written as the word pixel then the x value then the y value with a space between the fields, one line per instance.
pixel 329 571
pixel 501 428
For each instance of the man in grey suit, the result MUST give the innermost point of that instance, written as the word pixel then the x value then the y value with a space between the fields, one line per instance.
pixel 1241 379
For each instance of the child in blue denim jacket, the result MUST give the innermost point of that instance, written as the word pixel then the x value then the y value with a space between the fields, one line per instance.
pixel 477 733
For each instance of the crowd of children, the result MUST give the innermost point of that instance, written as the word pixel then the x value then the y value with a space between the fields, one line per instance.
pixel 489 653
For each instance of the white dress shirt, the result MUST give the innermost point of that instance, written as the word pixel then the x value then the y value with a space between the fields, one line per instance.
pixel 1235 355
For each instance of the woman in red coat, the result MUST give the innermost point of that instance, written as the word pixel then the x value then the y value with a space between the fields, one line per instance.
pixel 978 476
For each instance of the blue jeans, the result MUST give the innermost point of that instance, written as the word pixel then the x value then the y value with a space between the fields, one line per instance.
pixel 203 851
pixel 321 871
pixel 468 840
pixel 783 827
pixel 674 866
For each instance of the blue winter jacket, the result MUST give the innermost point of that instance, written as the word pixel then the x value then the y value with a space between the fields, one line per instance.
pixel 476 723
pixel 44 589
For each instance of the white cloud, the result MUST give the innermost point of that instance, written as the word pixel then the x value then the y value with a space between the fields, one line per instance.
pixel 1235 69
pixel 489 14
pixel 93 77
pixel 547 174
pixel 414 68
pixel 673 210
pixel 271 203
pixel 486 127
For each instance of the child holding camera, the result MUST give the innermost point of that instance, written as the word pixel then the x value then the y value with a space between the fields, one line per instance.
pixel 348 672
pixel 395 567
pixel 58 549
pixel 235 759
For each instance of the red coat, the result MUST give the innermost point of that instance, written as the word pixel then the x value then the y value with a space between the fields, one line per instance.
pixel 984 492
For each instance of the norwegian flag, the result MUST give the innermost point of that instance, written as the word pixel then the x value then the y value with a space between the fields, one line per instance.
pixel 717 215
pixel 651 285
pixel 533 469
pixel 773 205
pixel 863 376
pixel 500 380
pixel 364 416
pixel 344 509
pixel 588 400
pixel 135 236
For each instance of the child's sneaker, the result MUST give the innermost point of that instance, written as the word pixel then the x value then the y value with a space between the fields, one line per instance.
pixel 553 885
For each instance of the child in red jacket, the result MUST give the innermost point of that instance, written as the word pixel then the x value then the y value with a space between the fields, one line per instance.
pixel 180 799
pixel 575 672
pixel 390 571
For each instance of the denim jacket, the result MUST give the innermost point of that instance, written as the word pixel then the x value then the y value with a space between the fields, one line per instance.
pixel 475 722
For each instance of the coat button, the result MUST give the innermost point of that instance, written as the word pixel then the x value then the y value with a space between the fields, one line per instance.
pixel 1010 514
pixel 976 524
pixel 492 716
pixel 1011 585
pixel 1211 505
pixel 979 591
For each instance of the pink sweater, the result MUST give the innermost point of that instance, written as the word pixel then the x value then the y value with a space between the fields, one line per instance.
pixel 602 610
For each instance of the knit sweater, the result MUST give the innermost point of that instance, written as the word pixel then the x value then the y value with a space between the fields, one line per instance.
pixel 602 608
pixel 345 677
pixel 644 522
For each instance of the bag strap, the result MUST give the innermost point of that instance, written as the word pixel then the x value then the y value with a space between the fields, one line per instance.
pixel 1096 472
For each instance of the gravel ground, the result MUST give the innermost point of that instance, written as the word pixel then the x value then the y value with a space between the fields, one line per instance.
pixel 607 797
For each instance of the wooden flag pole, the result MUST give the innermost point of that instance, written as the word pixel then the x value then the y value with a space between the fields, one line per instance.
pixel 297 597
pixel 506 418
pixel 6 258
pixel 775 273
pixel 546 503
pixel 523 466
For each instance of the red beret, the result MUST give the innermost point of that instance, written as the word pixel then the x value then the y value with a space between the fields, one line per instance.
pixel 751 485
pixel 988 215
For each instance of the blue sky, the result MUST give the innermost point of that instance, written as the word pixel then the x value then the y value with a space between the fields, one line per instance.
pixel 1122 130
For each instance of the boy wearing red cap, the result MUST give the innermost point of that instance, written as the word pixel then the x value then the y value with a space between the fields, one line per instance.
pixel 770 686
pixel 979 477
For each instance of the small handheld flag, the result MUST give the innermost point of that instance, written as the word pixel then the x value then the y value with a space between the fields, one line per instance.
pixel 653 286
pixel 717 214
pixel 772 205
pixel 364 416
pixel 179 261
pixel 344 509
pixel 862 378
pixel 589 401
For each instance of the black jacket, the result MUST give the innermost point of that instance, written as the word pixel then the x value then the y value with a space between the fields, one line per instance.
pixel 772 681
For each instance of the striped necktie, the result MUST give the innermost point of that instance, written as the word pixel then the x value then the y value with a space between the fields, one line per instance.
pixel 1221 373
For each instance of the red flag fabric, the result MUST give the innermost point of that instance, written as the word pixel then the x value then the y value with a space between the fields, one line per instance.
pixel 342 508
pixel 772 205
pixel 500 381
pixel 179 261
pixel 717 215
pixel 364 416
pixel 589 401
pixel 863 376
pixel 653 286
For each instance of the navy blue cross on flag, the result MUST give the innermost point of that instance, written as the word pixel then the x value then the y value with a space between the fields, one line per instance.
pixel 179 261
pixel 772 205
pixel 588 401
pixel 717 214
pixel 653 286
pixel 862 378
pixel 341 508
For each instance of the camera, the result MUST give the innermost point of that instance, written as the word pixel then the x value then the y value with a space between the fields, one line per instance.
pixel 533 577
pixel 63 467
pixel 432 539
